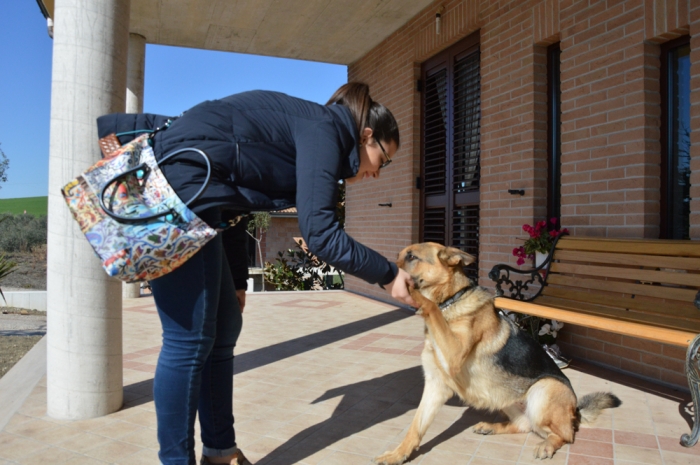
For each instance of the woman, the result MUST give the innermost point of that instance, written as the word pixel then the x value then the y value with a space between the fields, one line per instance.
pixel 269 151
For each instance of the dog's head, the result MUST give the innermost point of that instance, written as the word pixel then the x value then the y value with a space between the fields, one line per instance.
pixel 436 270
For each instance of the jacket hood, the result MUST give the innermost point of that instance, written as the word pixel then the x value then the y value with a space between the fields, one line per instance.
pixel 349 138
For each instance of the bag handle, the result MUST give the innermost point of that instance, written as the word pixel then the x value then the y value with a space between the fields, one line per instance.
pixel 141 171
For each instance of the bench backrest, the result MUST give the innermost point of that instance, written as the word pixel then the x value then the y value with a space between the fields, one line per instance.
pixel 645 280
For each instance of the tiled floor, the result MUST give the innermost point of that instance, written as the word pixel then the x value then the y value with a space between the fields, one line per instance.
pixel 334 378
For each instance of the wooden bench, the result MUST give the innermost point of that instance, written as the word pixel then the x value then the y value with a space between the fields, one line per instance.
pixel 642 288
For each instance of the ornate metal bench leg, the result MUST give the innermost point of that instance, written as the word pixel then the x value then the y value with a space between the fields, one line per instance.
pixel 692 370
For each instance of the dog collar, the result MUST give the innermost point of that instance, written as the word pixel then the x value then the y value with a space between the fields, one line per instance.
pixel 454 298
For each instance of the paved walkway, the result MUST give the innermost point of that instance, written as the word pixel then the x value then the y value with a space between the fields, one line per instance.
pixel 333 378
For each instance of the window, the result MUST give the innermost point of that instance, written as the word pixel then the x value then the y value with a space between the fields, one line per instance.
pixel 675 139
pixel 554 131
pixel 451 149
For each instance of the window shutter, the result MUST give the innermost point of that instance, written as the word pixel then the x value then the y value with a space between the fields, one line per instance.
pixel 451 149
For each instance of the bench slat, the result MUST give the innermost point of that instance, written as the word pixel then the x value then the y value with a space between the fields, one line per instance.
pixel 662 292
pixel 628 328
pixel 686 279
pixel 622 315
pixel 683 263
pixel 640 246
pixel 686 311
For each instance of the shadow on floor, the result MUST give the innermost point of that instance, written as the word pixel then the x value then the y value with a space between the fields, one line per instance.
pixel 142 392
pixel 273 353
pixel 364 405
pixel 684 399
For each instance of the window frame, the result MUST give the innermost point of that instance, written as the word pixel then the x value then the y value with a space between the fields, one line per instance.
pixel 666 129
pixel 554 131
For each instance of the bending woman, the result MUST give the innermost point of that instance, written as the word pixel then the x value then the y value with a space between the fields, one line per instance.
pixel 269 151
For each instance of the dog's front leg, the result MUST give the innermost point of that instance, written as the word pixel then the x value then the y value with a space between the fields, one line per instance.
pixel 451 351
pixel 435 394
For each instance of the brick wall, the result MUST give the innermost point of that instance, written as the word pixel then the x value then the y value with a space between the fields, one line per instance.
pixel 610 131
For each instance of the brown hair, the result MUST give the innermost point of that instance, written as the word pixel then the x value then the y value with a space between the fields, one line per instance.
pixel 366 112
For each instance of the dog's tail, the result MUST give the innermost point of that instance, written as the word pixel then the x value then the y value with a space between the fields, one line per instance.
pixel 590 405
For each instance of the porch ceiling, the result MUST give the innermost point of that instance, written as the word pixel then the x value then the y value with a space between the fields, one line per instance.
pixel 332 31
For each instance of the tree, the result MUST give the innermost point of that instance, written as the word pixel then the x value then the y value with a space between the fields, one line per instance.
pixel 259 224
pixel 4 166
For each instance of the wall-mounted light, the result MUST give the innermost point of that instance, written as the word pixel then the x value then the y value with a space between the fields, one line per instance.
pixel 438 20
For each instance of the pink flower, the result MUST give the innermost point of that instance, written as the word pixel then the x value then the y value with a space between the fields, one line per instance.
pixel 520 261
pixel 553 220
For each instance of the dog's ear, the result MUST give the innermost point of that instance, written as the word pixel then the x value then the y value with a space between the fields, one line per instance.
pixel 451 256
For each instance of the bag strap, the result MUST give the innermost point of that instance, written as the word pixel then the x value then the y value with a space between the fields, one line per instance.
pixel 141 172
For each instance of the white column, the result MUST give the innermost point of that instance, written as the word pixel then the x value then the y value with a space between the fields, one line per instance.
pixel 84 360
pixel 134 104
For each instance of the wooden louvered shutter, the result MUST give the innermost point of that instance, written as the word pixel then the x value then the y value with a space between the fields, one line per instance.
pixel 451 149
pixel 435 157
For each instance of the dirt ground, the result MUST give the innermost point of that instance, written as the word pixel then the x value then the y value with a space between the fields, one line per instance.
pixel 29 274
pixel 13 348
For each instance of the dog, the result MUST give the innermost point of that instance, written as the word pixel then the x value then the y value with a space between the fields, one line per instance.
pixel 483 357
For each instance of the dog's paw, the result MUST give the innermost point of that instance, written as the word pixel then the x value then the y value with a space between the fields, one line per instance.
pixel 544 450
pixel 425 305
pixel 483 428
pixel 390 458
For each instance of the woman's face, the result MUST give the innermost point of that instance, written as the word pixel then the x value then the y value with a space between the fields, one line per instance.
pixel 372 156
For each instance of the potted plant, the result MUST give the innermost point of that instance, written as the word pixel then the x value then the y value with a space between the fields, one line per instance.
pixel 540 242
pixel 538 246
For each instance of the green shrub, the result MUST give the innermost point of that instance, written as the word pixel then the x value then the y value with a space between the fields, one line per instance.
pixel 301 271
pixel 22 233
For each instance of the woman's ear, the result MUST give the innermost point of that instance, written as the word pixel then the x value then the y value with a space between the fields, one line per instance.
pixel 365 135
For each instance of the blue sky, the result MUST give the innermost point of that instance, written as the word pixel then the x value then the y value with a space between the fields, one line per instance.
pixel 176 79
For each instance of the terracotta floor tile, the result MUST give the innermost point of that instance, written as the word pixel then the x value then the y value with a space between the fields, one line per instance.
pixel 13 447
pixel 673 445
pixel 492 450
pixel 442 457
pixel 592 448
pixel 595 434
pixel 49 455
pixel 638 454
pixel 117 429
pixel 146 438
pixel 636 439
pixel 575 459
pixel 83 460
pixel 113 451
pixel 676 458
pixel 489 461
pixel 84 442
pixel 345 458
pixel 31 427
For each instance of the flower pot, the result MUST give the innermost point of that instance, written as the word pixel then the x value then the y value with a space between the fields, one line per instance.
pixel 540 258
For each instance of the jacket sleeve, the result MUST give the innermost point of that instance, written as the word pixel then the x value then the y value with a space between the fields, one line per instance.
pixel 319 158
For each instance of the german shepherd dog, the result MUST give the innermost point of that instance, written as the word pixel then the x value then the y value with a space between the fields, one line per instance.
pixel 484 358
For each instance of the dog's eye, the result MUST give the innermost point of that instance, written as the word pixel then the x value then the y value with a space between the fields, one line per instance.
pixel 410 257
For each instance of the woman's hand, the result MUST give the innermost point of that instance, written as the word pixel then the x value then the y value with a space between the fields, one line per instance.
pixel 400 288
pixel 240 295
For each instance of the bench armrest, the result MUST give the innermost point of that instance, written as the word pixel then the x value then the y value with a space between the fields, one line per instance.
pixel 501 275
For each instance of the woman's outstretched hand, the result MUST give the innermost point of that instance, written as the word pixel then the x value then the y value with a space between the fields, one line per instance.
pixel 400 288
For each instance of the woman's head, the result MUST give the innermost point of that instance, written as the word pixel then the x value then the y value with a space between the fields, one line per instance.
pixel 377 128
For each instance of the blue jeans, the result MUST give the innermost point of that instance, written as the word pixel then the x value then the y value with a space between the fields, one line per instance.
pixel 201 321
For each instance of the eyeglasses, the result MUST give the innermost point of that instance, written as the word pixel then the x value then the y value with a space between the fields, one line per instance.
pixel 386 155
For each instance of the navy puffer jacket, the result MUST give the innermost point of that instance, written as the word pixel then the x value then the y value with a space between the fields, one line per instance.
pixel 269 151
